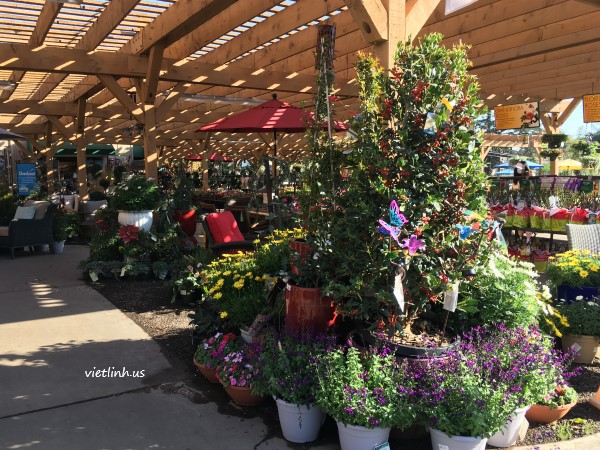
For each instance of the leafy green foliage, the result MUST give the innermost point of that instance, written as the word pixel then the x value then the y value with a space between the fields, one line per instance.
pixel 583 318
pixel 136 193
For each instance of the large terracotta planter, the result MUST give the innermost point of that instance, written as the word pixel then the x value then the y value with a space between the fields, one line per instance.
pixel 141 219
pixel 208 373
pixel 187 220
pixel 301 247
pixel 306 310
pixel 589 347
pixel 544 414
pixel 243 396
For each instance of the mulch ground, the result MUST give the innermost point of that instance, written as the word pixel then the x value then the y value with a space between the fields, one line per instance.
pixel 148 304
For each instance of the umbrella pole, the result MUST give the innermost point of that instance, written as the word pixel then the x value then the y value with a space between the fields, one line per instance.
pixel 268 182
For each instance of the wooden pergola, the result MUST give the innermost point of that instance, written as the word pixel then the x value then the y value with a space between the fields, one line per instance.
pixel 150 72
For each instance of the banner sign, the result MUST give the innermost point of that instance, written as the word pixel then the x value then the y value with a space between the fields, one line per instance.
pixel 519 115
pixel 591 108
pixel 26 178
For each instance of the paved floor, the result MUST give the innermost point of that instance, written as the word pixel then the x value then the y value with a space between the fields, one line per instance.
pixel 55 333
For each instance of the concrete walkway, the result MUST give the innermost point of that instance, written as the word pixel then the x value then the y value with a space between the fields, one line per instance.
pixel 54 329
pixel 56 332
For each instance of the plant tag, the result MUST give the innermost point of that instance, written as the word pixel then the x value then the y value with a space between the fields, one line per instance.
pixel 575 347
pixel 384 446
pixel 71 234
pixel 154 238
pixel 93 276
pixel 451 298
pixel 162 274
pixel 183 292
pixel 430 126
pixel 443 447
pixel 123 271
pixel 289 287
pixel 399 291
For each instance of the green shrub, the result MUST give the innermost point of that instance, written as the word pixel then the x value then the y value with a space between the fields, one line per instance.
pixel 583 318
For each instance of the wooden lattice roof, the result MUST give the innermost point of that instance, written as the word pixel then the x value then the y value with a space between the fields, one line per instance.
pixel 94 70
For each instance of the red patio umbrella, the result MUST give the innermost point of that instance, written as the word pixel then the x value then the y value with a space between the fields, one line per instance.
pixel 273 115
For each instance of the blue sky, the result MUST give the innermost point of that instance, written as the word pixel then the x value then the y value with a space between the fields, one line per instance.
pixel 574 125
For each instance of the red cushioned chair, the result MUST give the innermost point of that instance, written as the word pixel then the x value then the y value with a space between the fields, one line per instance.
pixel 223 234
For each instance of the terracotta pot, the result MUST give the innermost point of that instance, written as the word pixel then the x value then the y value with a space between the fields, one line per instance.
pixel 306 310
pixel 243 396
pixel 187 220
pixel 207 372
pixel 301 247
pixel 544 414
pixel 595 400
pixel 589 347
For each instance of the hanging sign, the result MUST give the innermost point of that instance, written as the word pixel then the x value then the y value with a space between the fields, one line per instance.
pixel 519 115
pixel 26 178
pixel 591 108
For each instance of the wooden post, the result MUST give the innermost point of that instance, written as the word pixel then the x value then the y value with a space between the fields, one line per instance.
pixel 554 166
pixel 396 29
pixel 150 150
pixel 81 168
pixel 50 153
pixel 205 156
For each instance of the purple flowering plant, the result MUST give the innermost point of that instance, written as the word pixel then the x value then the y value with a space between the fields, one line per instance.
pixel 212 350
pixel 366 388
pixel 475 388
pixel 287 365
pixel 239 368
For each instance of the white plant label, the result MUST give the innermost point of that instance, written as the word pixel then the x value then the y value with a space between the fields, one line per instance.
pixel 576 347
pixel 399 291
pixel 443 447
pixel 123 271
pixel 451 298
pixel 384 446
pixel 93 276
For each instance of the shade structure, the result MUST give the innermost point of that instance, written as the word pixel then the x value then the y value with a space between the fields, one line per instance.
pixel 69 149
pixel 272 115
pixel 569 164
pixel 505 173
pixel 530 164
pixel 5 134
pixel 214 157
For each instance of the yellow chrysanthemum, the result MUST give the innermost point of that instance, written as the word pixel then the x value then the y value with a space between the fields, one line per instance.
pixel 256 241
pixel 249 275
pixel 220 282
pixel 594 267
pixel 583 273
pixel 257 278
pixel 223 314
pixel 236 276
pixel 239 284
pixel 218 295
pixel 227 273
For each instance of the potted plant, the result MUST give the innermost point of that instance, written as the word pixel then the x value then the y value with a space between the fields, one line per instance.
pixel 366 393
pixel 237 372
pixel 554 406
pixel 287 372
pixel 574 273
pixel 554 140
pixel 181 195
pixel 135 243
pixel 59 232
pixel 551 153
pixel 583 329
pixel 136 198
pixel 211 352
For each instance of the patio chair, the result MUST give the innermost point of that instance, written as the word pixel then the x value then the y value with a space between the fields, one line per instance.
pixel 223 234
pixel 206 207
pixel 29 232
pixel 584 237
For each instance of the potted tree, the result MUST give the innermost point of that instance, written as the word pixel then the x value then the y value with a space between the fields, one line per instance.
pixel 287 372
pixel 583 329
pixel 135 199
pixel 59 232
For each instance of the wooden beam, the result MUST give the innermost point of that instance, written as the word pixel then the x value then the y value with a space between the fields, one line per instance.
pixel 122 96
pixel 174 95
pixel 57 124
pixel 396 25
pixel 80 115
pixel 82 188
pixel 205 156
pixel 371 18
pixel 418 13
pixel 24 152
pixel 150 150
pixel 568 111
pixel 152 72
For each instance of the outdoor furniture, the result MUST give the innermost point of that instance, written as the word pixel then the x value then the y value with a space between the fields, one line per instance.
pixel 245 224
pixel 87 216
pixel 206 207
pixel 29 232
pixel 584 237
pixel 223 234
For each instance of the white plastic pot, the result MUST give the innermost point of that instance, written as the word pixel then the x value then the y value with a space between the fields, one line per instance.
pixel 441 441
pixel 299 423
pixel 509 434
pixel 141 219
pixel 355 437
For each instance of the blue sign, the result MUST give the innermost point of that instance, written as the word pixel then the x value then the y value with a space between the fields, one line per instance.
pixel 26 178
